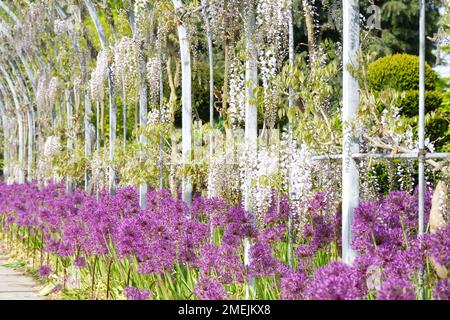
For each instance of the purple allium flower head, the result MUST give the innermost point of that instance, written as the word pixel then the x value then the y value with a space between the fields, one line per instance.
pixel 278 211
pixel 262 262
pixel 323 231
pixel 369 267
pixel 45 271
pixel 306 251
pixel 308 231
pixel 396 289
pixel 66 249
pixel 390 222
pixel 438 246
pixel 237 214
pixel 209 289
pixel 293 284
pixel 405 263
pixel 335 281
pixel 80 262
pixel 319 203
pixel 225 261
pixel 273 234
pixel 232 235
pixel 442 290
pixel 198 206
pixel 133 293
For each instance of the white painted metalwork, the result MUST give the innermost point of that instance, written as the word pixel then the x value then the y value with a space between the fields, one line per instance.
pixel 350 174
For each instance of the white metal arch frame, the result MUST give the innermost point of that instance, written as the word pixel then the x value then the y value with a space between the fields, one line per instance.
pixel 350 154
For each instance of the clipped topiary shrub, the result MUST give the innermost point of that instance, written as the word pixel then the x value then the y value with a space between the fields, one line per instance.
pixel 409 104
pixel 399 72
pixel 436 129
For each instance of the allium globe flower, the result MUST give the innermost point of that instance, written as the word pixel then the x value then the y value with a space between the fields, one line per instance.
pixel 133 293
pixel 293 284
pixel 305 251
pixel 390 222
pixel 209 289
pixel 335 281
pixel 273 234
pixel 396 289
pixel 80 262
pixel 319 203
pixel 45 271
pixel 406 263
pixel 369 267
pixel 237 214
pixel 278 211
pixel 308 231
pixel 262 262
pixel 225 261
pixel 442 290
pixel 438 246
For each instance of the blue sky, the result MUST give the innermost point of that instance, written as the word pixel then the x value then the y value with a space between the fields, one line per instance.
pixel 444 68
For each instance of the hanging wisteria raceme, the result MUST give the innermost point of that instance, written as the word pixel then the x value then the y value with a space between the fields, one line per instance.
pixel 300 166
pixel 42 93
pixel 153 73
pixel 99 76
pixel 236 101
pixel 52 90
pixel 217 176
pixel 157 117
pixel 125 63
pixel 272 21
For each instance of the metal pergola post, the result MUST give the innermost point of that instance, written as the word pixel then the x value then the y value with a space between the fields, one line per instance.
pixel 422 118
pixel 350 174
pixel 422 151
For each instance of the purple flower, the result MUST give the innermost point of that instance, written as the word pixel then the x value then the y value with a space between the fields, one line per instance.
pixel 273 234
pixel 262 262
pixel 438 246
pixel 396 289
pixel 306 251
pixel 442 290
pixel 209 289
pixel 319 203
pixel 225 261
pixel 278 211
pixel 404 264
pixel 292 285
pixel 45 271
pixel 133 293
pixel 232 235
pixel 335 281
pixel 308 231
pixel 238 215
pixel 390 222
pixel 80 262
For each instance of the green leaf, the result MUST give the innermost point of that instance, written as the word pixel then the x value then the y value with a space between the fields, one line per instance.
pixel 47 289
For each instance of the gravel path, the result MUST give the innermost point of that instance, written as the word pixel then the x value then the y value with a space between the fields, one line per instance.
pixel 15 285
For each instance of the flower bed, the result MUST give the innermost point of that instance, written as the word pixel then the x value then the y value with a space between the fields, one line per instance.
pixel 109 248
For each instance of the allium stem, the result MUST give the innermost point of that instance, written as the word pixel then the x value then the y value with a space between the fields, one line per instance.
pixel 128 276
pixel 93 274
pixel 41 249
pixel 108 274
